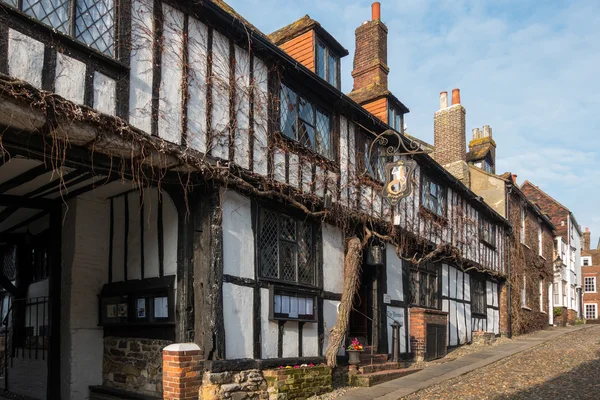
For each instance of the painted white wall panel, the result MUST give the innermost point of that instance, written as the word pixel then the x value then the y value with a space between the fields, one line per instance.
pixel 238 238
pixel 333 259
pixel 469 321
pixel 489 293
pixel 170 234
pixel 344 159
pixel 394 273
pixel 467 287
pixel 495 294
pixel 261 117
pixel 452 324
pixel 330 313
pixel 294 170
pixel 196 110
pixel 332 184
pixel 70 78
pixel 134 247
pixel 290 339
pixel 310 340
pixel 307 177
pixel 141 63
pixel 269 331
pixel 242 107
pixel 452 281
pixel 118 263
pixel 25 58
pixel 151 266
pixel 461 322
pixel 320 181
pixel 237 301
pixel 279 165
pixel 220 96
pixel 444 279
pixel 105 94
pixel 460 285
pixel 170 115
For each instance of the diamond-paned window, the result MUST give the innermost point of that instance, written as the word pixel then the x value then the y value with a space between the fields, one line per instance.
pixel 303 121
pixel 433 196
pixel 286 248
pixel 93 22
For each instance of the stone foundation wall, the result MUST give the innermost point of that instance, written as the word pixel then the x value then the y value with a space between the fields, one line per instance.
pixel 419 318
pixel 134 365
pixel 275 384
pixel 561 320
pixel 571 317
pixel 481 337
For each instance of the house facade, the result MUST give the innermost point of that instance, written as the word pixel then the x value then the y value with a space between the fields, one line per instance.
pixel 171 174
pixel 590 275
pixel 567 247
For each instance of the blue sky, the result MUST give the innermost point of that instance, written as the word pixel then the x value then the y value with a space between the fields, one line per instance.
pixel 529 69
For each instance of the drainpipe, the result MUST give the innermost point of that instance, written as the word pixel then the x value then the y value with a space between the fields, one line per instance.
pixel 509 294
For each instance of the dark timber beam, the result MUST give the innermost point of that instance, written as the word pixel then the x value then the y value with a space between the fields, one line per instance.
pixel 25 177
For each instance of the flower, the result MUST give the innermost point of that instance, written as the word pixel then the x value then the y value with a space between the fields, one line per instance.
pixel 304 365
pixel 296 366
pixel 288 367
pixel 355 345
pixel 281 367
pixel 311 365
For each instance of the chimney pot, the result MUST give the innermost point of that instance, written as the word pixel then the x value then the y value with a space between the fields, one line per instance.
pixel 487 131
pixel 443 100
pixel 455 96
pixel 476 133
pixel 376 11
pixel 587 229
pixel 514 178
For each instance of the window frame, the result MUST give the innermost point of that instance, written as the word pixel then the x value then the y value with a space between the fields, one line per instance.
pixel 70 29
pixel 375 172
pixel 585 284
pixel 585 310
pixel 430 271
pixel 315 248
pixel 275 291
pixel 524 294
pixel 314 124
pixel 394 114
pixel 585 262
pixel 540 240
pixel 327 52
pixel 523 223
pixel 541 295
pixel 487 229
pixel 441 189
pixel 476 294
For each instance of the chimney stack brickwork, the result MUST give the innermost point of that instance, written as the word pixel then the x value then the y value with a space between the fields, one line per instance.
pixel 450 142
pixel 370 57
pixel 585 243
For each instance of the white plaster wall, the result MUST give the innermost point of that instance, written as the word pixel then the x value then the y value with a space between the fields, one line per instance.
pixel 70 78
pixel 141 63
pixel 238 238
pixel 294 170
pixel 333 259
pixel 105 91
pixel 196 111
pixel 330 313
pixel 344 159
pixel 261 117
pixel 118 244
pixel 394 274
pixel 25 58
pixel 310 339
pixel 290 339
pixel 279 165
pixel 151 266
pixel 307 177
pixel 170 100
pixel 85 270
pixel 237 317
pixel 319 181
pixel 170 234
pixel 397 314
pixel 220 96
pixel 242 107
pixel 269 331
pixel 134 238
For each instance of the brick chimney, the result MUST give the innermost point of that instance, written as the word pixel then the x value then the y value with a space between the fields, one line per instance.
pixel 482 149
pixel 450 141
pixel 585 244
pixel 370 57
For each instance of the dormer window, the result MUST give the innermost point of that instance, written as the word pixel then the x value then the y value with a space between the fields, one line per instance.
pixel 327 64
pixel 395 119
pixel 304 122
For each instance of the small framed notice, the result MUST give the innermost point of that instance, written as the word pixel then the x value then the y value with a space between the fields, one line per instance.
pixel 387 299
pixel 111 311
pixel 141 308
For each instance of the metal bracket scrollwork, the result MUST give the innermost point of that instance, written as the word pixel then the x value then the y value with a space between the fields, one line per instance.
pixel 397 173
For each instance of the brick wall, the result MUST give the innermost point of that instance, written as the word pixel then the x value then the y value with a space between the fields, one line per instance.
pixel 182 376
pixel 370 57
pixel 419 318
pixel 556 212
pixel 450 140
pixel 134 365
pixel 594 297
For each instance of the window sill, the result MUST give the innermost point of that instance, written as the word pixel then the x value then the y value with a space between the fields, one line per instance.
pixel 526 308
pixel 543 258
pixel 525 245
pixel 487 244
pixel 301 150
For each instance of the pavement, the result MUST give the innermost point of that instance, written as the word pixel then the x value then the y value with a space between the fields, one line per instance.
pixel 437 373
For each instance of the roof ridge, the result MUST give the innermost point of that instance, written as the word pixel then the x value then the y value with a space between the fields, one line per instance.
pixel 544 193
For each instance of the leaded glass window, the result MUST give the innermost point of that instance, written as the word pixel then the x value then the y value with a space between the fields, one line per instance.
pixel 286 248
pixel 433 196
pixel 327 64
pixel 395 119
pixel 487 232
pixel 302 121
pixel 93 22
pixel 374 163
pixel 424 285
pixel 478 295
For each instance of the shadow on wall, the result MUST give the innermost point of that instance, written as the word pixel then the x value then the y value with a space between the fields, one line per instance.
pixel 578 383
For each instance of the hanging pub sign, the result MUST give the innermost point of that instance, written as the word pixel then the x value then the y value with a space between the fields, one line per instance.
pixel 397 180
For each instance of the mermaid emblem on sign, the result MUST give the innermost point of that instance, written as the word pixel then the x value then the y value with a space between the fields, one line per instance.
pixel 397 176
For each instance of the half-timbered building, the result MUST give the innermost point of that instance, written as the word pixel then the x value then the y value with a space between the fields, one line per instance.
pixel 171 174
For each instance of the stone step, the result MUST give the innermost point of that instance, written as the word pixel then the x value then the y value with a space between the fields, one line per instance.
pixel 376 358
pixel 387 366
pixel 374 378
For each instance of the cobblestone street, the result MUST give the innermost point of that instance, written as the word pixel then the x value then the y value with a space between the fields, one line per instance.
pixel 566 367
